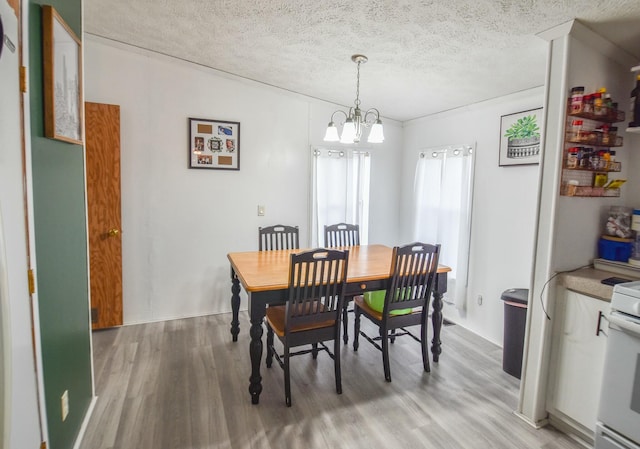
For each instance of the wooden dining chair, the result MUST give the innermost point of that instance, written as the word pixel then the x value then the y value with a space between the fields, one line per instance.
pixel 341 234
pixel 278 237
pixel 311 314
pixel 406 301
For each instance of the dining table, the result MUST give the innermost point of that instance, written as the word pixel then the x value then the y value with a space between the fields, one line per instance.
pixel 264 275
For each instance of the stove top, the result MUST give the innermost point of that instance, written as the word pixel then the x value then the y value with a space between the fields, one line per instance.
pixel 626 298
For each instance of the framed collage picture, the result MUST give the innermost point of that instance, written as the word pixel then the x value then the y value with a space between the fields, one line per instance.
pixel 214 144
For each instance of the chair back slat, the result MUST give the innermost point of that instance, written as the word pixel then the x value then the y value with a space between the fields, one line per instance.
pixel 413 273
pixel 278 237
pixel 341 235
pixel 316 286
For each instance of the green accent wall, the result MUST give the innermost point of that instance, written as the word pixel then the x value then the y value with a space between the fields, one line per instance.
pixel 61 250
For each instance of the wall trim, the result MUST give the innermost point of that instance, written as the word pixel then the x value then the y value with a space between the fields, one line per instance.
pixel 85 422
pixel 580 31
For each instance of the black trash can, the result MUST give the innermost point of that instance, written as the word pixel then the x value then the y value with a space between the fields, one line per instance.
pixel 515 318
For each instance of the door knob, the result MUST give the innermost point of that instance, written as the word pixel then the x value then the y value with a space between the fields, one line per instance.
pixel 113 232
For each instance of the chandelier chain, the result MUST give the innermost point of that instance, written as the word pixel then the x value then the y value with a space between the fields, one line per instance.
pixel 357 102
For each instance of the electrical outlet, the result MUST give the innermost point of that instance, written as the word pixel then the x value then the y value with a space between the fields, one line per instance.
pixel 479 300
pixel 260 211
pixel 64 403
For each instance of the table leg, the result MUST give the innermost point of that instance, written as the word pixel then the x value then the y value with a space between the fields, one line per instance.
pixel 235 305
pixel 436 318
pixel 255 352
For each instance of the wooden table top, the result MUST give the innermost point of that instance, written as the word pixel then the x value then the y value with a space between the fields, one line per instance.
pixel 269 270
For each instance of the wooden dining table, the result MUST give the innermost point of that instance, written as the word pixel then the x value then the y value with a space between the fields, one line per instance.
pixel 264 276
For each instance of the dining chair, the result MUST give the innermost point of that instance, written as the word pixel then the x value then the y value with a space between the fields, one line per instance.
pixel 311 314
pixel 405 303
pixel 278 237
pixel 341 234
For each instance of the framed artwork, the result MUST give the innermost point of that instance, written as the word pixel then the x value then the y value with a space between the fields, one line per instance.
pixel 214 144
pixel 520 138
pixel 62 55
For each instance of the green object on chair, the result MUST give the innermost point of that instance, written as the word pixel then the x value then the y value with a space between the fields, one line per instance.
pixel 375 300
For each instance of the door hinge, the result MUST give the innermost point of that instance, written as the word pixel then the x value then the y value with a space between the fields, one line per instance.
pixel 23 79
pixel 94 314
pixel 43 445
pixel 32 282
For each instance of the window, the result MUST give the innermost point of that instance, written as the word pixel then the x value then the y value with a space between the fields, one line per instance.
pixel 443 193
pixel 340 191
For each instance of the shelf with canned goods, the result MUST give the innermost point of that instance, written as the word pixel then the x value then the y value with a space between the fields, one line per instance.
pixel 591 159
pixel 594 106
pixel 608 115
pixel 596 138
pixel 592 133
pixel 606 166
pixel 589 183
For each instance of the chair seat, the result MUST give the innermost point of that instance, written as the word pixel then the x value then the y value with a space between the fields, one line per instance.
pixel 275 317
pixel 360 302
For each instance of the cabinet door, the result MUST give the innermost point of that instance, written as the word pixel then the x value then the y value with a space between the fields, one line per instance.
pixel 579 357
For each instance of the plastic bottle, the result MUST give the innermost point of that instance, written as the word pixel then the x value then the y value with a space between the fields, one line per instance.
pixel 572 157
pixel 587 104
pixel 635 105
pixel 576 127
pixel 576 99
pixel 598 102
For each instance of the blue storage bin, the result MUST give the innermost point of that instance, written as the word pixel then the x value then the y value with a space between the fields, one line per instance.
pixel 619 251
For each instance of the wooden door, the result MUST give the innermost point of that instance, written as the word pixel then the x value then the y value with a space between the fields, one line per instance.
pixel 102 125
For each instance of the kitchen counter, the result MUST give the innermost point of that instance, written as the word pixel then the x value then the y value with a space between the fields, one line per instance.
pixel 587 282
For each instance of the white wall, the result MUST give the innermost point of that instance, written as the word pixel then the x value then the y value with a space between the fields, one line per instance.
pixel 504 205
pixel 590 68
pixel 24 429
pixel 568 228
pixel 179 224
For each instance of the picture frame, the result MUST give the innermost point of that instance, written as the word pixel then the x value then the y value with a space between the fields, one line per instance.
pixel 62 56
pixel 214 144
pixel 520 138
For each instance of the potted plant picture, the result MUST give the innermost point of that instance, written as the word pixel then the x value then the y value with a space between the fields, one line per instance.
pixel 522 135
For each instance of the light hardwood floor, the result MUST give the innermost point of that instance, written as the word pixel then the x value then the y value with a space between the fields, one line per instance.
pixel 184 384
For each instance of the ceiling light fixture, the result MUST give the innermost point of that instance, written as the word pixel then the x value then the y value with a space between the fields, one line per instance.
pixel 354 120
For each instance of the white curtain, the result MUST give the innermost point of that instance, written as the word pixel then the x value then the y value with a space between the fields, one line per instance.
pixel 443 193
pixel 340 191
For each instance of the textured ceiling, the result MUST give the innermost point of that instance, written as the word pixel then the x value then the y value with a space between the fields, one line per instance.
pixel 425 56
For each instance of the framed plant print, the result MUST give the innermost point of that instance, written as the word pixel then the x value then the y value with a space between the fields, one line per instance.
pixel 214 144
pixel 520 138
pixel 62 56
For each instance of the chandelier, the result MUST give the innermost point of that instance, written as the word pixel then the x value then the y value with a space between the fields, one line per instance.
pixel 355 121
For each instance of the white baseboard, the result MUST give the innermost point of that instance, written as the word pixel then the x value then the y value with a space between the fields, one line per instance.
pixel 85 423
pixel 535 424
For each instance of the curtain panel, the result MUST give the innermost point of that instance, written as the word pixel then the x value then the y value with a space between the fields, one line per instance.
pixel 340 191
pixel 443 194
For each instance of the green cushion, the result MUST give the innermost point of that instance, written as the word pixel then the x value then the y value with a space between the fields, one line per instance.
pixel 375 300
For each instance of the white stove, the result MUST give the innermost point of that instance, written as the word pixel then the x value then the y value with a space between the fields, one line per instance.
pixel 618 424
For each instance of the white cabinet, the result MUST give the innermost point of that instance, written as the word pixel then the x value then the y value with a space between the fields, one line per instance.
pixel 577 359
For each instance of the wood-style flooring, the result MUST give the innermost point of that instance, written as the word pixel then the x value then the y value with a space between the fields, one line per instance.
pixel 184 384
